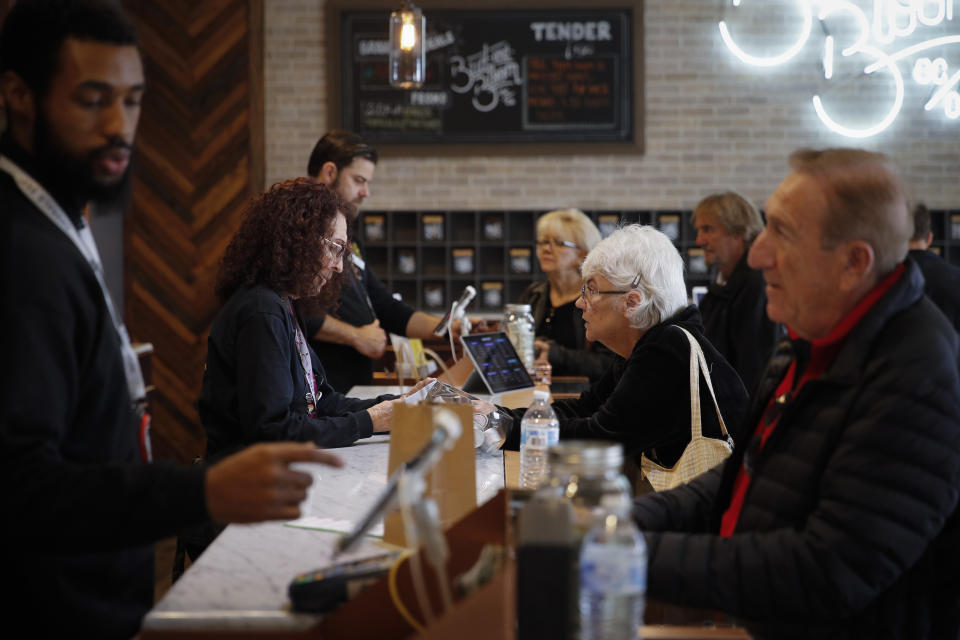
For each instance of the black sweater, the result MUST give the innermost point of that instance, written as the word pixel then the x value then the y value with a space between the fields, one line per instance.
pixel 254 388
pixel 643 402
pixel 80 509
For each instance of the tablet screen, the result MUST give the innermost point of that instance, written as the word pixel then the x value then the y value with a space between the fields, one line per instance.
pixel 497 362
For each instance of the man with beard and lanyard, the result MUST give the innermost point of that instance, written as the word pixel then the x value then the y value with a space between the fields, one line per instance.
pixel 81 508
pixel 352 337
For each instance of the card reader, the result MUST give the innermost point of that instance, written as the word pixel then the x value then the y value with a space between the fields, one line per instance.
pixel 327 588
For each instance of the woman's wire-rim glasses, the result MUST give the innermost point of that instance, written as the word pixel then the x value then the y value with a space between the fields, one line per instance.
pixel 586 290
pixel 556 244
pixel 336 249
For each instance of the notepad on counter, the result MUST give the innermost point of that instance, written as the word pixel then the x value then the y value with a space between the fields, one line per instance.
pixel 332 525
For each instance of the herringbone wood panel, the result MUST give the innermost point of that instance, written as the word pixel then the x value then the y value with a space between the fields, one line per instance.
pixel 196 166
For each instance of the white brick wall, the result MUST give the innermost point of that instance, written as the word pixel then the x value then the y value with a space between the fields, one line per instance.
pixel 711 122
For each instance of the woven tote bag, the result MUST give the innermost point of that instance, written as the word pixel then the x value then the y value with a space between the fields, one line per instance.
pixel 703 453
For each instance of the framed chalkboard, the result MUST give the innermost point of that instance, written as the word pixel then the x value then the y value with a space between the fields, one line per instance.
pixel 494 76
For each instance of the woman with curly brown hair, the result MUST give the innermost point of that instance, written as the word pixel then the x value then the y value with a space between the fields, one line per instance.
pixel 262 380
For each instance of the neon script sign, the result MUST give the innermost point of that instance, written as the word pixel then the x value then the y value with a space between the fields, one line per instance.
pixel 892 20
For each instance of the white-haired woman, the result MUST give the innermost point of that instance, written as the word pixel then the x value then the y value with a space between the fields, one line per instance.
pixel 564 237
pixel 633 299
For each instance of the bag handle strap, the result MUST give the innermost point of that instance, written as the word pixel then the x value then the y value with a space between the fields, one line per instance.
pixel 698 364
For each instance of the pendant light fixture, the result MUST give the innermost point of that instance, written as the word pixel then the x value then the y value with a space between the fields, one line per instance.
pixel 407 53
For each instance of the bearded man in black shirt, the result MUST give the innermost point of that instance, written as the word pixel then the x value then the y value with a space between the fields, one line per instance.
pixel 81 508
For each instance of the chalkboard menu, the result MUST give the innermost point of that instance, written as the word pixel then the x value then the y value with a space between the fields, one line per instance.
pixel 495 76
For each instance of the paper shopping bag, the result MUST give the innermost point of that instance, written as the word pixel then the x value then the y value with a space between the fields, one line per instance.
pixel 452 483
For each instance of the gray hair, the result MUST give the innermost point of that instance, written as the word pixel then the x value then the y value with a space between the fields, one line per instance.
pixel 737 214
pixel 867 201
pixel 639 252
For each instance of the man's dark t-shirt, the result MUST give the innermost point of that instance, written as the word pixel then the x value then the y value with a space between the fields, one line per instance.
pixel 363 299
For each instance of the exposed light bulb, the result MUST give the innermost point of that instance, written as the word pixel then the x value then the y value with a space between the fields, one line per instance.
pixel 407 55
pixel 408 36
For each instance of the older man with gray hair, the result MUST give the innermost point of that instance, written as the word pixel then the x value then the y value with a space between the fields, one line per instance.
pixel 734 309
pixel 839 516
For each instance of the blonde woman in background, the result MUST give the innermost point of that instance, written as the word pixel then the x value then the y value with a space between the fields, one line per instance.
pixel 564 237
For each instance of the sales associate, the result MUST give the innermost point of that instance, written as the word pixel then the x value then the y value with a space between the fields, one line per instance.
pixel 349 339
pixel 262 380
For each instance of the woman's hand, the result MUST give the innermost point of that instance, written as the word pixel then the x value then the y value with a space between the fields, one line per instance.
pixel 542 349
pixel 419 385
pixel 382 415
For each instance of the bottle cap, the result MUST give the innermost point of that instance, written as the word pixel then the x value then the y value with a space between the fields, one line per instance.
pixel 587 454
pixel 518 308
pixel 541 394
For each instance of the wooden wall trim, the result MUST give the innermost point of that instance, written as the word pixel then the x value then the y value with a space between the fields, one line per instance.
pixel 258 144
pixel 199 159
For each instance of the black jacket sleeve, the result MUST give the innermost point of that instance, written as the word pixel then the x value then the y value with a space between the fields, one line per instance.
pixel 265 392
pixel 689 507
pixel 592 362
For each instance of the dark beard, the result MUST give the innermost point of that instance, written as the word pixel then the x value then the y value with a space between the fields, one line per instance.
pixel 352 211
pixel 75 176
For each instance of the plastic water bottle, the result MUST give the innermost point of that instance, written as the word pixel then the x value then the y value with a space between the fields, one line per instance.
pixel 518 325
pixel 613 579
pixel 539 430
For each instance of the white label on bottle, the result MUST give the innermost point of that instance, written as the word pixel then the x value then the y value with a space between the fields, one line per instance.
pixel 540 438
pixel 610 570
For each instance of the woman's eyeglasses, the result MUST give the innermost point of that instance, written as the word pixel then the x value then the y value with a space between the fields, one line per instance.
pixel 336 249
pixel 587 292
pixel 555 244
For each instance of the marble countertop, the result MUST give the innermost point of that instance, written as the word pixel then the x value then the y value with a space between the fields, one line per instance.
pixel 240 581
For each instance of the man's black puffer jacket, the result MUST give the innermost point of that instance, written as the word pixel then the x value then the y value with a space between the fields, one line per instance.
pixel 849 528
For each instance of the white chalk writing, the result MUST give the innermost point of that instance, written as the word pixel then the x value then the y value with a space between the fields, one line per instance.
pixel 382 47
pixel 571 31
pixel 491 74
